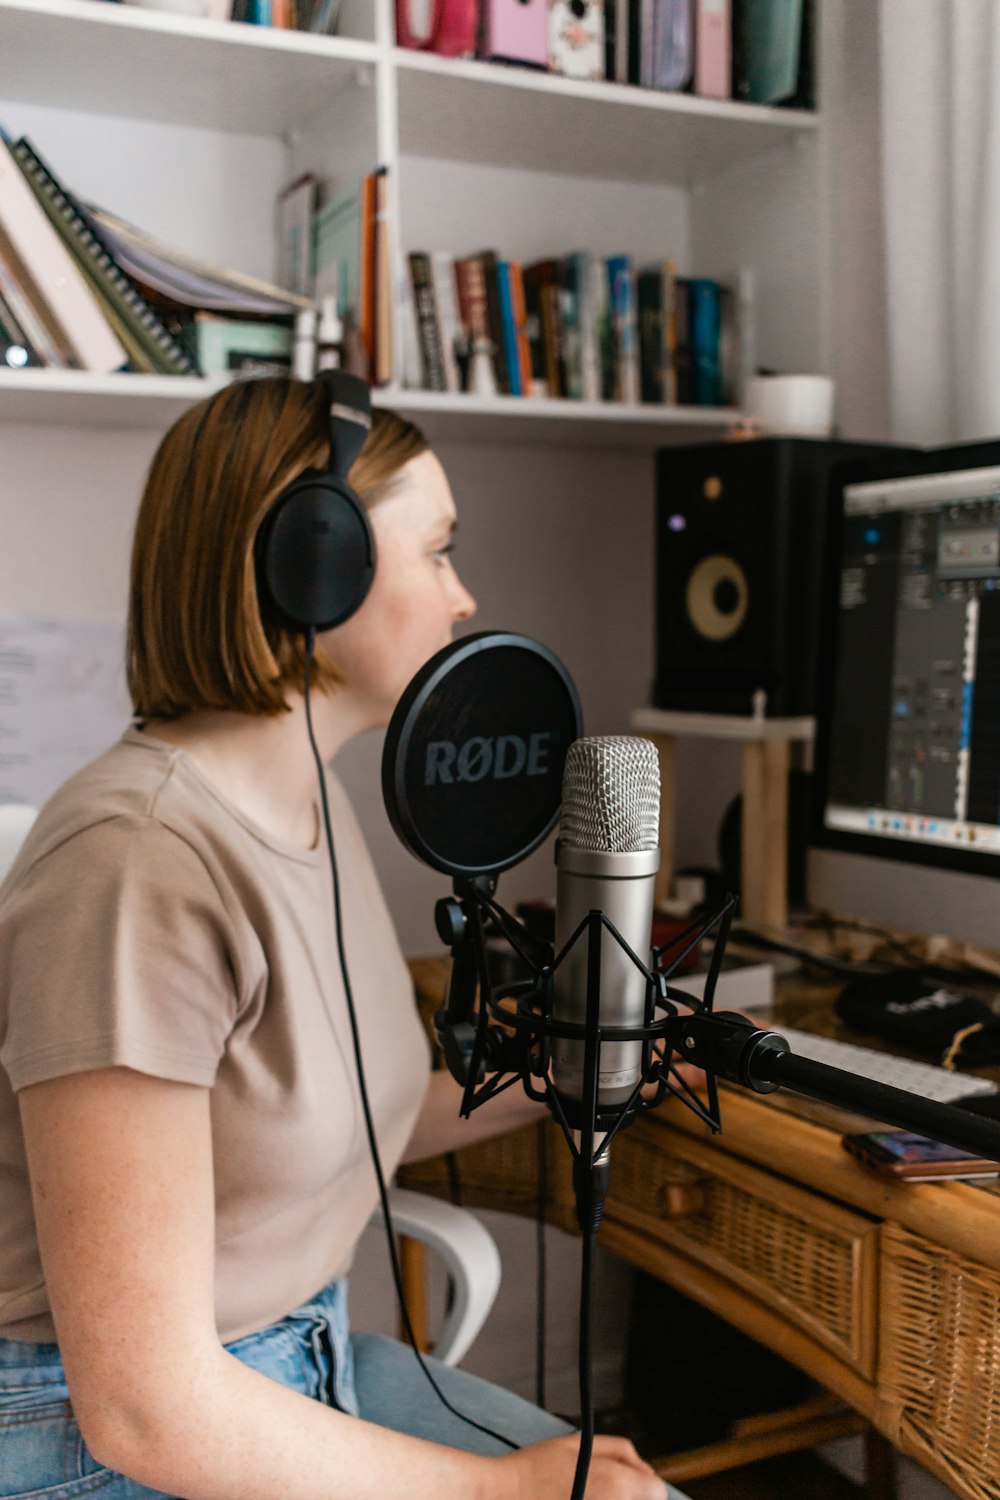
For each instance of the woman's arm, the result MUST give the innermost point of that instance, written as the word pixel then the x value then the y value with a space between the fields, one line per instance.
pixel 122 1183
pixel 440 1128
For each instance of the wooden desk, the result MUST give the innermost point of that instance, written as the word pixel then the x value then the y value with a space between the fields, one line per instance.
pixel 886 1293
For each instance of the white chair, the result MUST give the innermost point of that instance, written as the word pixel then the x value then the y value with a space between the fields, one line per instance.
pixel 471 1259
pixel 467 1248
pixel 15 820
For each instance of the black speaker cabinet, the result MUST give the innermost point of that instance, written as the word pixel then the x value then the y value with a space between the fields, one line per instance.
pixel 740 543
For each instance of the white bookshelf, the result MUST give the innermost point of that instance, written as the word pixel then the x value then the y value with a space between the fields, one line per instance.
pixel 73 398
pixel 620 169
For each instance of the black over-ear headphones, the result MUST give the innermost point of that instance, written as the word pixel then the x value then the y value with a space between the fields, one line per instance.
pixel 314 553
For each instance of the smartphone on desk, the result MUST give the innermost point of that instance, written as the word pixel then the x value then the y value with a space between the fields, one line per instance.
pixel 902 1154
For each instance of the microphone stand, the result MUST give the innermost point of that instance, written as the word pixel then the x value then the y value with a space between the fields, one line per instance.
pixel 508 1039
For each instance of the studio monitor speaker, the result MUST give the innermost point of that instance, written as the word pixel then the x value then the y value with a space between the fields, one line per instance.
pixel 740 545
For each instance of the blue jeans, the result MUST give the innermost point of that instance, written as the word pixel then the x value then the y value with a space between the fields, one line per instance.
pixel 43 1455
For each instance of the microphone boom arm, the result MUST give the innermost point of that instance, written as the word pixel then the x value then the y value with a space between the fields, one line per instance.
pixel 491 1042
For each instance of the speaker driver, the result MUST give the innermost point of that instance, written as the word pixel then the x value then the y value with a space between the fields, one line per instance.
pixel 717 597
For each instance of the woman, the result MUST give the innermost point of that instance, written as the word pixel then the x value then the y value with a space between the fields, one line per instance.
pixel 183 1171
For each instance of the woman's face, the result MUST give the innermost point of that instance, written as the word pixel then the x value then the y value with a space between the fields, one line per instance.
pixel 416 597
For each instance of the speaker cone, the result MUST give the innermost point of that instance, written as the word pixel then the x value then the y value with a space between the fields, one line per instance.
pixel 717 597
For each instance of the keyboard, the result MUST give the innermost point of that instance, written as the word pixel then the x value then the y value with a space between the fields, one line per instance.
pixel 925 1079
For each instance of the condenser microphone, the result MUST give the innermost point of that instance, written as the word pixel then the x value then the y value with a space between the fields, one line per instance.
pixel 607 856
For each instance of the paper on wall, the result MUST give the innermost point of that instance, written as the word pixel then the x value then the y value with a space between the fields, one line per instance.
pixel 63 700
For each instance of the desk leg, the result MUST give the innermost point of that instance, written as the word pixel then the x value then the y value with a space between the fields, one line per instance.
pixel 764 864
pixel 666 750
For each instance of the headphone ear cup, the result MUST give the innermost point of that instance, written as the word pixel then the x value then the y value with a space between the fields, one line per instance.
pixel 314 555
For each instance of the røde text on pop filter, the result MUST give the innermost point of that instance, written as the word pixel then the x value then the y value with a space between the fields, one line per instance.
pixel 473 759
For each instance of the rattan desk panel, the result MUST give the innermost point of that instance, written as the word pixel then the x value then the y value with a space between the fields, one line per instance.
pixel 939 1358
pixel 813 1261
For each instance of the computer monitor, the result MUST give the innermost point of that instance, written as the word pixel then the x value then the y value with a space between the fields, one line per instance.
pixel 907 774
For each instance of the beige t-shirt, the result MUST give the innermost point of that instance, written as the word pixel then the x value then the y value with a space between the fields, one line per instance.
pixel 147 923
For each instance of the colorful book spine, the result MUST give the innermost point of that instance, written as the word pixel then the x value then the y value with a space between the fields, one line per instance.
pixel 509 329
pixel 621 300
pixel 449 319
pixel 432 359
pixel 705 329
pixel 520 311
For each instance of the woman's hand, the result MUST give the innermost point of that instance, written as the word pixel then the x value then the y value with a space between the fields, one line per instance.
pixel 547 1469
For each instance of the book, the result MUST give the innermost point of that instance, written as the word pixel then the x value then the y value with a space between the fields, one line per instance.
pixel 449 320
pixel 667 44
pixel 649 303
pixel 520 314
pixel 581 269
pixel 366 282
pixel 572 288
pixel 182 279
pixel 704 329
pixel 489 261
pixel 336 252
pixel 50 276
pixel 222 346
pixel 296 209
pixel 603 336
pixel 409 338
pixel 713 59
pixel 542 281
pixel 768 50
pixel 624 326
pixel 539 383
pixel 43 336
pixel 428 328
pixel 512 361
pixel 669 327
pixel 381 370
pixel 474 312
pixel 151 346
pixel 16 351
pixel 682 344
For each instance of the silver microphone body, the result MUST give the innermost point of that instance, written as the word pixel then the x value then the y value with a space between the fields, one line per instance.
pixel 606 860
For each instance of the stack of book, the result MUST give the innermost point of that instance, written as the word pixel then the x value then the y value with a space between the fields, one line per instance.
pixel 578 327
pixel 760 51
pixel 289 15
pixel 81 289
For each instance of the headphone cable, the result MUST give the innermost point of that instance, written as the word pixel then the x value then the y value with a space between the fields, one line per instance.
pixel 362 1084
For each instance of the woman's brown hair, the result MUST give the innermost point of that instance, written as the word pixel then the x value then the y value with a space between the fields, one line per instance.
pixel 195 636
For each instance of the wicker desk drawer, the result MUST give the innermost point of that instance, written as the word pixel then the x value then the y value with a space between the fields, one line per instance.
pixel 808 1259
pixel 939 1361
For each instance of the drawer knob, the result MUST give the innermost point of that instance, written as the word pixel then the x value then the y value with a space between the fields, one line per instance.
pixel 680 1197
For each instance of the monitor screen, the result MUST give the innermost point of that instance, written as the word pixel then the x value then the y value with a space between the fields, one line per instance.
pixel 908 750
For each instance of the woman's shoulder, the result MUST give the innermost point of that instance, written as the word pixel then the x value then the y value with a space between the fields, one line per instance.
pixel 123 788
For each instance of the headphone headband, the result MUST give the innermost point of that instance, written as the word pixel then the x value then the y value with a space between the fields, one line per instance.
pixel 350 418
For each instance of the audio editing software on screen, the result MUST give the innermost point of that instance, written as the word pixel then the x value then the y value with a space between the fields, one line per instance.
pixel 915 719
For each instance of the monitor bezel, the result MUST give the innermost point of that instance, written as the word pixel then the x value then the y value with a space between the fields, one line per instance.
pixel 901 851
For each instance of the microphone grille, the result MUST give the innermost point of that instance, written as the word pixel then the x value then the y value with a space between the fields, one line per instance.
pixel 611 794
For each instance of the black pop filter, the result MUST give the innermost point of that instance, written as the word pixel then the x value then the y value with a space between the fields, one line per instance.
pixel 473 759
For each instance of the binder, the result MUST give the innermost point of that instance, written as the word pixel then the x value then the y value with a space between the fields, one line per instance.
pixel 516 31
pixel 154 346
pixel 56 282
pixel 668 44
pixel 770 34
pixel 713 59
